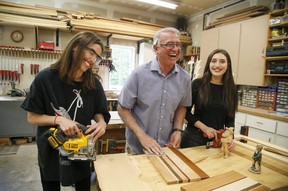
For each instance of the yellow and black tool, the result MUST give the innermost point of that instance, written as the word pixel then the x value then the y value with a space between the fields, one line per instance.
pixel 75 147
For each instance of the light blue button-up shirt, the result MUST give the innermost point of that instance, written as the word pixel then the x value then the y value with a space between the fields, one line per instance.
pixel 153 99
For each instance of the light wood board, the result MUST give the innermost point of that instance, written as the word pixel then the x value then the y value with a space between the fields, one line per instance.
pixel 129 173
pixel 228 181
pixel 124 171
pixel 174 167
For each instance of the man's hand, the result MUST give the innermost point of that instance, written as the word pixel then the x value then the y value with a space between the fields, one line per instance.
pixel 150 144
pixel 175 140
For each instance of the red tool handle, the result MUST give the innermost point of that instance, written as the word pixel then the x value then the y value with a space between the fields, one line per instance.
pixel 22 68
pixel 31 68
pixel 19 78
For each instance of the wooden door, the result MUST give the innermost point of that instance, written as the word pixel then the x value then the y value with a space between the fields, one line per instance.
pixel 252 50
pixel 229 39
pixel 209 42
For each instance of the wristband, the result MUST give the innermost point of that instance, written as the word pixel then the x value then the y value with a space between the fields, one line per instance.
pixel 176 129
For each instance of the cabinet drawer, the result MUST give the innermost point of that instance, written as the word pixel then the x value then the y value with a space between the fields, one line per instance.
pixel 282 129
pixel 261 135
pixel 261 123
pixel 240 118
pixel 237 128
pixel 281 141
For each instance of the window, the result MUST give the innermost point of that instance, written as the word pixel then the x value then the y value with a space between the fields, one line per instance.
pixel 123 60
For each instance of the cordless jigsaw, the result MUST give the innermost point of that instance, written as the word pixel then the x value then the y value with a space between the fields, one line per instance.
pixel 74 147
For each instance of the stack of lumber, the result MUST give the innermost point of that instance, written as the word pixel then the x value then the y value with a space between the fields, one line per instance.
pixel 240 15
pixel 16 14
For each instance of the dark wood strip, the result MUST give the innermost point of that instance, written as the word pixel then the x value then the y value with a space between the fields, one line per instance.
pixel 178 168
pixel 170 168
pixel 193 166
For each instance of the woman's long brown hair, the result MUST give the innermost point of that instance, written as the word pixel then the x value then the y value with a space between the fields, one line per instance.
pixel 71 59
pixel 230 95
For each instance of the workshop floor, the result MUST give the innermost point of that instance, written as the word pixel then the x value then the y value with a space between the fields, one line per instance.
pixel 19 172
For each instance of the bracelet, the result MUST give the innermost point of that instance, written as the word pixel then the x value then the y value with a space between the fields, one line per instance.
pixel 55 120
pixel 176 129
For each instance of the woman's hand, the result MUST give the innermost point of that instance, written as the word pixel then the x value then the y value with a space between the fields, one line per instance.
pixel 96 130
pixel 231 146
pixel 210 132
pixel 67 126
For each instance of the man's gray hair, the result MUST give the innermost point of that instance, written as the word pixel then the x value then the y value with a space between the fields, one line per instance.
pixel 164 30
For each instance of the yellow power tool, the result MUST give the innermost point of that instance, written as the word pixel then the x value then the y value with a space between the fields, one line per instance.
pixel 74 147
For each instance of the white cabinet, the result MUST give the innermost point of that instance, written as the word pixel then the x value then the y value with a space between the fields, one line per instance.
pixel 261 135
pixel 282 129
pixel 281 141
pixel 261 128
pixel 245 41
pixel 264 129
pixel 252 50
pixel 240 120
pixel 281 137
pixel 261 123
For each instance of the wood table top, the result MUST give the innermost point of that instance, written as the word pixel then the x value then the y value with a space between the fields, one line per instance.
pixel 122 172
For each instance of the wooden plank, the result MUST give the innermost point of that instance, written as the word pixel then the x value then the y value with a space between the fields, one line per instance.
pixel 246 14
pixel 177 171
pixel 141 22
pixel 121 164
pixel 176 168
pixel 194 167
pixel 164 171
pixel 236 19
pixel 267 146
pixel 253 8
pixel 271 161
pixel 245 184
pixel 231 180
pixel 27 9
pixel 29 21
pixel 186 170
pixel 209 160
pixel 40 16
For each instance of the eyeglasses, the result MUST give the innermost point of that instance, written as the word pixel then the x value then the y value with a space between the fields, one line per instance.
pixel 96 59
pixel 171 45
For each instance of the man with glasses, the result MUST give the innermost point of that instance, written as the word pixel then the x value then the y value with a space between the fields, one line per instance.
pixel 153 101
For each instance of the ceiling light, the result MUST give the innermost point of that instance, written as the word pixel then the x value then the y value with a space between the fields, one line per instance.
pixel 161 3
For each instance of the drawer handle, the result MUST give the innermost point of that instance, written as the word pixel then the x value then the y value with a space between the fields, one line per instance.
pixel 259 122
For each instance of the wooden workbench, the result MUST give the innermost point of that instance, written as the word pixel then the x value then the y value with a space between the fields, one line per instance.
pixel 129 173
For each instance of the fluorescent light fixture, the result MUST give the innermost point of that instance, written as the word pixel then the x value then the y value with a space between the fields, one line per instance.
pixel 160 3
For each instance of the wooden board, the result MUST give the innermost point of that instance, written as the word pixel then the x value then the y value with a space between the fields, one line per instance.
pixel 122 172
pixel 231 180
pixel 174 167
pixel 120 164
